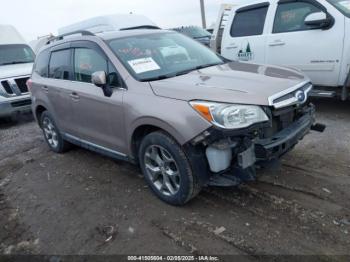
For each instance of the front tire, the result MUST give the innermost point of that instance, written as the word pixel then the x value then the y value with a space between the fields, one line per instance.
pixel 167 170
pixel 52 134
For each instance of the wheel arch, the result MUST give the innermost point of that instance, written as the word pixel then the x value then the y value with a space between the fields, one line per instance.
pixel 39 109
pixel 146 127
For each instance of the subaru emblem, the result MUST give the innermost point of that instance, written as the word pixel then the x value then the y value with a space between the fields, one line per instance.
pixel 300 96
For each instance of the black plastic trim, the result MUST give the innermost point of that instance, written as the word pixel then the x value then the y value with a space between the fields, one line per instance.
pixel 96 148
pixel 61 37
pixel 252 7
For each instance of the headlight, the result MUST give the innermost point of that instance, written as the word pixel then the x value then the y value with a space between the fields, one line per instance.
pixel 230 116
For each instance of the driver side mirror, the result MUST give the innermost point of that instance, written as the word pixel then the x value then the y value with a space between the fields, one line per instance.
pixel 99 79
pixel 319 20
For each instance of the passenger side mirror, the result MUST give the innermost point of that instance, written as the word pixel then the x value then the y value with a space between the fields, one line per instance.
pixel 319 19
pixel 99 79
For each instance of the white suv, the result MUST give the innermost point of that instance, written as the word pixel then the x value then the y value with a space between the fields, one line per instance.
pixel 16 63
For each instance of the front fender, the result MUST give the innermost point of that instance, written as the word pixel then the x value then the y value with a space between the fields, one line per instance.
pixel 158 123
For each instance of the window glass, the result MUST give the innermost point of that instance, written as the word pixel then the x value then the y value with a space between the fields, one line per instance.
pixel 86 62
pixel 16 54
pixel 60 65
pixel 41 63
pixel 342 5
pixel 151 57
pixel 250 22
pixel 291 16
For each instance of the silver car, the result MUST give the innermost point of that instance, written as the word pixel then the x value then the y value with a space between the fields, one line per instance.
pixel 188 117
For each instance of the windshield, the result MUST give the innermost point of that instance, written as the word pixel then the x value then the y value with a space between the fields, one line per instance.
pixel 16 54
pixel 193 31
pixel 342 5
pixel 162 55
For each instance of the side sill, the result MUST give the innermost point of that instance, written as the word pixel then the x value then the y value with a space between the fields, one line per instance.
pixel 96 148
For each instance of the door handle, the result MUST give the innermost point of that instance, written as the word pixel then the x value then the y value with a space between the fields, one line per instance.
pixel 232 46
pixel 74 96
pixel 277 43
pixel 45 89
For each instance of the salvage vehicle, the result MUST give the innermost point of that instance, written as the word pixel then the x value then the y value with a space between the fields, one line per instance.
pixel 310 35
pixel 189 120
pixel 16 63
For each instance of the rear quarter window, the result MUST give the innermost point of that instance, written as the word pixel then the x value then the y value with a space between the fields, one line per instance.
pixel 60 64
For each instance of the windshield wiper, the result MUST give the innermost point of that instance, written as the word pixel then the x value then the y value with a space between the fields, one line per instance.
pixel 208 65
pixel 184 72
pixel 161 77
pixel 187 71
pixel 16 62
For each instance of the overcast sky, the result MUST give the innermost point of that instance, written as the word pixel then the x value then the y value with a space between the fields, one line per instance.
pixel 40 17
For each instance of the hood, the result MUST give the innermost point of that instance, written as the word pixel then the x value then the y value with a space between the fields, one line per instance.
pixel 234 82
pixel 10 71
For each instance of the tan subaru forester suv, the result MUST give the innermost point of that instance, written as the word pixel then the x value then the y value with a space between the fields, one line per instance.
pixel 187 116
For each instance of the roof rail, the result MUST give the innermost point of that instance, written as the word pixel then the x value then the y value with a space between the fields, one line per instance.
pixel 61 37
pixel 140 27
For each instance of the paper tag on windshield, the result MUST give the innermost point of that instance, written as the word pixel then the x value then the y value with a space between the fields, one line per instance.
pixel 143 65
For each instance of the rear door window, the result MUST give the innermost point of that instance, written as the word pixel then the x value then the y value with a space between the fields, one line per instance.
pixel 249 22
pixel 60 64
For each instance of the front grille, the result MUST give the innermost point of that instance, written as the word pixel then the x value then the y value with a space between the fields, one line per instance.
pixel 7 87
pixel 304 88
pixel 21 103
pixel 14 86
pixel 297 96
pixel 22 84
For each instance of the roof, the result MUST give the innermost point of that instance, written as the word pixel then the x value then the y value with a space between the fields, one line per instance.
pixel 108 23
pixel 10 36
pixel 127 33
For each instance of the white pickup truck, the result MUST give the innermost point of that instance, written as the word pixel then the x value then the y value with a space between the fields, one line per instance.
pixel 16 62
pixel 310 35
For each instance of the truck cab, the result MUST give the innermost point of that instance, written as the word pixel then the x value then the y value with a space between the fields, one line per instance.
pixel 312 36
pixel 16 62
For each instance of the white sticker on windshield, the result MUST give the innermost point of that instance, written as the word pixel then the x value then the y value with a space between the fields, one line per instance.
pixel 346 4
pixel 143 65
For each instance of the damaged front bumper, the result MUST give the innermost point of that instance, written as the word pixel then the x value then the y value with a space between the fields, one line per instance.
pixel 283 141
pixel 232 155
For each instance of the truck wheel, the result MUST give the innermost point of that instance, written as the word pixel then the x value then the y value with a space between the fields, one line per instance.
pixel 167 170
pixel 52 134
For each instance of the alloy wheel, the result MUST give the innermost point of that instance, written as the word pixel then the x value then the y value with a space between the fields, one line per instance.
pixel 50 132
pixel 162 170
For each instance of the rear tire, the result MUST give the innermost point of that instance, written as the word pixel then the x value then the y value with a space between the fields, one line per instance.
pixel 52 134
pixel 167 170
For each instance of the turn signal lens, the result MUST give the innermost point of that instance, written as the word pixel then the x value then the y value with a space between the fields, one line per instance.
pixel 204 110
pixel 29 84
